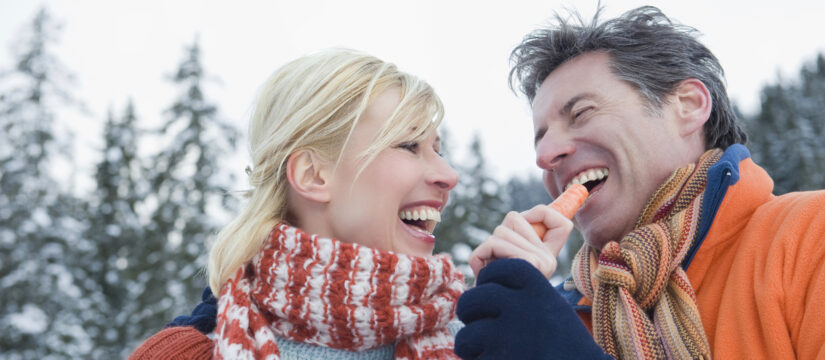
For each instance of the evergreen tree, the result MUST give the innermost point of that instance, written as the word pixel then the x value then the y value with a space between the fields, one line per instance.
pixel 43 303
pixel 475 209
pixel 189 191
pixel 786 136
pixel 115 265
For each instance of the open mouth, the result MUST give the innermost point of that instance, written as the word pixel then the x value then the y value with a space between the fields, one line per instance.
pixel 421 218
pixel 590 178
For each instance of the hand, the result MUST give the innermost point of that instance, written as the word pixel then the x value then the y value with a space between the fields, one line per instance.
pixel 515 238
pixel 514 313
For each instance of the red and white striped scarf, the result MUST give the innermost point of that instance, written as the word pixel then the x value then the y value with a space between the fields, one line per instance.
pixel 327 292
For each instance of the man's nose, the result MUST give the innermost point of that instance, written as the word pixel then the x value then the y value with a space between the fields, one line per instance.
pixel 552 149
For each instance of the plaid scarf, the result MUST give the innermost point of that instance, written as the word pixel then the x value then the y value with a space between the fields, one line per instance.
pixel 345 296
pixel 643 304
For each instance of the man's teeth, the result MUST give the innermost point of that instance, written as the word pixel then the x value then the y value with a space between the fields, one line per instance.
pixel 424 213
pixel 588 175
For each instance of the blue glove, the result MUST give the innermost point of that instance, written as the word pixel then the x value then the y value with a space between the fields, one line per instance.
pixel 204 316
pixel 513 312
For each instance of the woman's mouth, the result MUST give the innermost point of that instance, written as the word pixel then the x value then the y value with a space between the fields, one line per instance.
pixel 420 218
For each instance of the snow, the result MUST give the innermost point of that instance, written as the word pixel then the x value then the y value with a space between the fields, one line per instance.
pixel 114 155
pixel 461 252
pixel 113 230
pixel 41 217
pixel 32 320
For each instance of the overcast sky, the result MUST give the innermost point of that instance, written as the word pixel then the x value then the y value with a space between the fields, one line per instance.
pixel 123 49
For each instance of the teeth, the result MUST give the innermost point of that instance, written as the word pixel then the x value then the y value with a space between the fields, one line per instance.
pixel 422 213
pixel 420 230
pixel 588 175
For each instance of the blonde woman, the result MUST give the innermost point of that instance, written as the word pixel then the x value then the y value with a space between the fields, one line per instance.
pixel 331 257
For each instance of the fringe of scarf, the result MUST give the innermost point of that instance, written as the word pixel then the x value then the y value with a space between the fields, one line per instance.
pixel 345 296
pixel 643 304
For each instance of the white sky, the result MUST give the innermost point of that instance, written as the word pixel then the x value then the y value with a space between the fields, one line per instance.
pixel 122 49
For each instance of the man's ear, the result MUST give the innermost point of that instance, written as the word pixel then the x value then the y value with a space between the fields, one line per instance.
pixel 694 105
pixel 307 175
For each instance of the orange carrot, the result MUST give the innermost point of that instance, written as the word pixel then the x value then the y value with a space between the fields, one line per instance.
pixel 567 204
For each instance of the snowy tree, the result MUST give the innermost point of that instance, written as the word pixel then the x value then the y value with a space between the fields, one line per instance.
pixel 43 304
pixel 475 207
pixel 189 193
pixel 786 137
pixel 113 267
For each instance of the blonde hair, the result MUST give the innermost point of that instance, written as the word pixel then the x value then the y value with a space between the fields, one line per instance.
pixel 314 102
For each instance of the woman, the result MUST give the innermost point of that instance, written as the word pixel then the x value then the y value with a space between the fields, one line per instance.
pixel 332 255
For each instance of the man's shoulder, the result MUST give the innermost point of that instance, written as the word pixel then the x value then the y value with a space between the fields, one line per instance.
pixel 793 222
pixel 800 208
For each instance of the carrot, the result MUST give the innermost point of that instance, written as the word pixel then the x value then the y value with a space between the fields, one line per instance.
pixel 567 204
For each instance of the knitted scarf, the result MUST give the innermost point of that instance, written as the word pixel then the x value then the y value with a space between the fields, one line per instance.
pixel 326 292
pixel 640 276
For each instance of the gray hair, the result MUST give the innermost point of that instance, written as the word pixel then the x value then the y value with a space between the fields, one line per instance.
pixel 647 50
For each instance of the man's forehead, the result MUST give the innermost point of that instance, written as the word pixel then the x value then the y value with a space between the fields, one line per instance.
pixel 578 78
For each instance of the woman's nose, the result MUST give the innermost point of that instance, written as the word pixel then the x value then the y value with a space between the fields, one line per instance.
pixel 443 175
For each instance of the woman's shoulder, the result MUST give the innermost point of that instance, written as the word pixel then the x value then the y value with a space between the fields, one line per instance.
pixel 178 342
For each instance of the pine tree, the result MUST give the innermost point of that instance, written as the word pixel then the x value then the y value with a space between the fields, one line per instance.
pixel 43 303
pixel 189 191
pixel 786 136
pixel 113 269
pixel 475 209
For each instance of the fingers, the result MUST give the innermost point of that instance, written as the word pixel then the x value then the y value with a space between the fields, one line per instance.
pixel 559 227
pixel 476 339
pixel 496 247
pixel 515 238
pixel 481 302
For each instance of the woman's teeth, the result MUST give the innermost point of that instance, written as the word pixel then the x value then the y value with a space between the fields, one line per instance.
pixel 422 213
pixel 421 219
pixel 588 175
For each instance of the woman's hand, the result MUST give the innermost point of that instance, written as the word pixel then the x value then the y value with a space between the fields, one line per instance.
pixel 515 238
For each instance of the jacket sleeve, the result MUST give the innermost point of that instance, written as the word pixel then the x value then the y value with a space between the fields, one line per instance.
pixel 804 282
pixel 179 342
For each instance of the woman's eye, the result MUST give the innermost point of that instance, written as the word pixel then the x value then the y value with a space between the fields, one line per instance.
pixel 410 146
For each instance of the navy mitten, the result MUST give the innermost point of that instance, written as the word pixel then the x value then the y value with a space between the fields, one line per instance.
pixel 513 312
pixel 204 316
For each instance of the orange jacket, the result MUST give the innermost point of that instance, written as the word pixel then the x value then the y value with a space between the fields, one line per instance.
pixel 759 274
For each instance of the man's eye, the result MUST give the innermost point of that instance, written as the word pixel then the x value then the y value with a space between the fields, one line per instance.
pixel 581 112
pixel 410 146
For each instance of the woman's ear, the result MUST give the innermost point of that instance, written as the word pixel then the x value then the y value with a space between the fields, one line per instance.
pixel 307 175
pixel 694 105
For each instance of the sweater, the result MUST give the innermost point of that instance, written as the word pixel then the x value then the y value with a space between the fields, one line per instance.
pixel 187 342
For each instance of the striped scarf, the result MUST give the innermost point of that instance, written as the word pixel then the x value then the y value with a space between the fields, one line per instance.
pixel 641 276
pixel 326 292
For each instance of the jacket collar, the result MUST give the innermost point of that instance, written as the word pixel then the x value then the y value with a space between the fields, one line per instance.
pixel 728 202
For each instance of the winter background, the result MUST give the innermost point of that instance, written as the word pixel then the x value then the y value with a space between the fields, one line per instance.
pixel 123 127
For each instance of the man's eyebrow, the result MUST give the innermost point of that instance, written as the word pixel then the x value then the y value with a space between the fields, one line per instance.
pixel 565 110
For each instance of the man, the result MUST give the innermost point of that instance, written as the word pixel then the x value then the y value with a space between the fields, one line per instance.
pixel 687 253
